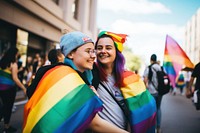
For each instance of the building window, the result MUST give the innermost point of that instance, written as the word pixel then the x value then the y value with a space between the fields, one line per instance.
pixel 75 9
pixel 22 44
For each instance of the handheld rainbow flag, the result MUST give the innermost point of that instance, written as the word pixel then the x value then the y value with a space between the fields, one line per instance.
pixel 118 39
pixel 61 103
pixel 174 59
pixel 141 104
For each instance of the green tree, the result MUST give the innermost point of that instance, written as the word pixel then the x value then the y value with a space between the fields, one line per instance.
pixel 133 62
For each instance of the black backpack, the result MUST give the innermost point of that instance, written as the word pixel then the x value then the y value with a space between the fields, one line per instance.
pixel 163 81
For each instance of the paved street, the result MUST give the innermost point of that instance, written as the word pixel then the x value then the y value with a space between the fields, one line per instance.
pixel 179 115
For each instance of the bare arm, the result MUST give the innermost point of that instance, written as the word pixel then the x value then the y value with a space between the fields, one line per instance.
pixel 102 126
pixel 146 81
pixel 15 77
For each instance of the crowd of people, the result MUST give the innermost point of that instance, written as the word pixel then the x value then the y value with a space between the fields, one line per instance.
pixel 84 87
pixel 12 75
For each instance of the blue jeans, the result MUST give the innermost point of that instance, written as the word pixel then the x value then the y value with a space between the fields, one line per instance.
pixel 158 99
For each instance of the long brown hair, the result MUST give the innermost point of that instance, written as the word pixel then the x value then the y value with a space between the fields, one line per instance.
pixel 118 65
pixel 9 57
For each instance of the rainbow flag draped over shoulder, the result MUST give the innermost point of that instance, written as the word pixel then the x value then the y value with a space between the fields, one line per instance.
pixel 61 103
pixel 6 81
pixel 141 104
pixel 174 59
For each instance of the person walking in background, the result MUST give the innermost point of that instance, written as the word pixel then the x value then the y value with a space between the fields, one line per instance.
pixel 187 78
pixel 55 56
pixel 180 83
pixel 36 63
pixel 64 92
pixel 134 111
pixel 46 60
pixel 196 90
pixel 8 80
pixel 28 70
pixel 151 82
pixel 20 68
pixel 195 74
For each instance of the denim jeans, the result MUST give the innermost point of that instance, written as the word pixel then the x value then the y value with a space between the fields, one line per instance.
pixel 158 99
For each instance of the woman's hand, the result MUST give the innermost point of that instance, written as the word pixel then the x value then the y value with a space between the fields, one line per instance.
pixel 24 90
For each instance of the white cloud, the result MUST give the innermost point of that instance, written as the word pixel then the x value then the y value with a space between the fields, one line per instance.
pixel 147 38
pixel 133 6
pixel 145 28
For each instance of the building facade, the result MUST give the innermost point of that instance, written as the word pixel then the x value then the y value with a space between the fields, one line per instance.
pixel 35 26
pixel 192 38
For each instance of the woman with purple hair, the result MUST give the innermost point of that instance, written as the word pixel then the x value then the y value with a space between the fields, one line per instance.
pixel 127 103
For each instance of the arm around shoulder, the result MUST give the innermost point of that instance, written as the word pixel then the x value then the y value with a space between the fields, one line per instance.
pixel 15 77
pixel 102 126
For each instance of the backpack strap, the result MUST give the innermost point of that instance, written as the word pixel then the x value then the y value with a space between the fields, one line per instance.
pixel 151 75
pixel 123 107
pixel 153 85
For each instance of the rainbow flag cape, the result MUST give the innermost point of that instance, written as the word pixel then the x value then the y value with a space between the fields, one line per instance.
pixel 6 81
pixel 174 59
pixel 141 104
pixel 61 103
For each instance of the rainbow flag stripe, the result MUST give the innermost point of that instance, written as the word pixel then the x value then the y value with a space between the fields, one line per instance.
pixel 174 59
pixel 6 81
pixel 141 104
pixel 62 102
pixel 180 81
pixel 119 39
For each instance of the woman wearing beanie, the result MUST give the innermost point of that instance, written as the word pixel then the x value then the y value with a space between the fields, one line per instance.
pixel 127 103
pixel 62 101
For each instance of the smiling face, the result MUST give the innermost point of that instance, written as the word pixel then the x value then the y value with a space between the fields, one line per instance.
pixel 106 51
pixel 83 57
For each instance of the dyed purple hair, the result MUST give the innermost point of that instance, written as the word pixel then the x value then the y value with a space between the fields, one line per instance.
pixel 118 65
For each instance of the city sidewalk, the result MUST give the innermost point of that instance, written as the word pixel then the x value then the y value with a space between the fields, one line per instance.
pixel 17 115
pixel 179 115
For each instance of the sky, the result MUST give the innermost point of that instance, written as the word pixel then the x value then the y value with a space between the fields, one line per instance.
pixel 147 22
